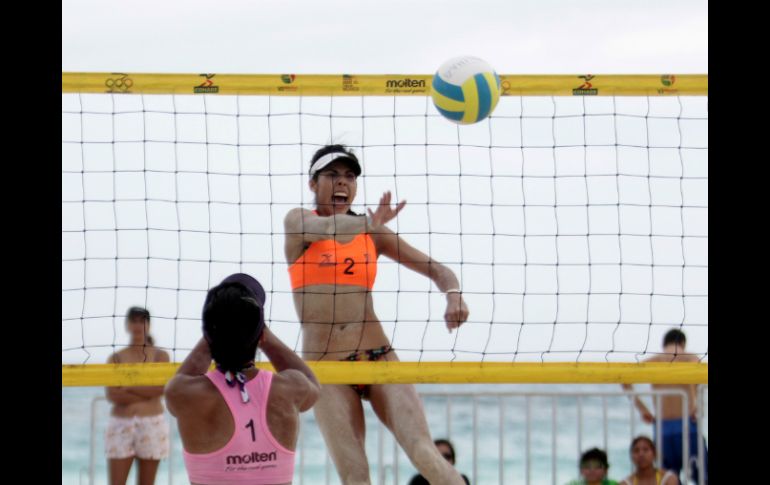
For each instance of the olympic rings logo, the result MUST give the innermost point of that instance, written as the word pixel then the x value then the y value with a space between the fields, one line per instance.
pixel 121 84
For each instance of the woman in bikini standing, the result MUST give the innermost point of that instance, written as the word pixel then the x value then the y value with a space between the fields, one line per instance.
pixel 137 428
pixel 332 253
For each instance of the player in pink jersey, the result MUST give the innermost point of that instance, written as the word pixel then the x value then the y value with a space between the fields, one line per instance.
pixel 238 424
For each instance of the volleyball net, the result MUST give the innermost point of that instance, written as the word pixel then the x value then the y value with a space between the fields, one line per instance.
pixel 575 218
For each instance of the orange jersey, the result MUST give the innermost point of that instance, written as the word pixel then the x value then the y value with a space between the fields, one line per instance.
pixel 329 262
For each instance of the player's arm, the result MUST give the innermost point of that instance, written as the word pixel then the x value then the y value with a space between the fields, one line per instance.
pixel 647 416
pixel 393 246
pixel 189 382
pixel 303 226
pixel 119 394
pixel 302 386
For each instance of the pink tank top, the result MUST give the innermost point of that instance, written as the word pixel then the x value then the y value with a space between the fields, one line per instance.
pixel 252 456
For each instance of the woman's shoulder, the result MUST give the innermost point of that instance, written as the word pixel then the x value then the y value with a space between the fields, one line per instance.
pixel 297 214
pixel 666 478
pixel 118 356
pixel 147 354
pixel 161 355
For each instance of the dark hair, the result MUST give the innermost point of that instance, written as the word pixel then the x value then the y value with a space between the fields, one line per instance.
pixel 674 336
pixel 643 438
pixel 325 150
pixel 448 444
pixel 232 325
pixel 144 314
pixel 137 311
pixel 594 454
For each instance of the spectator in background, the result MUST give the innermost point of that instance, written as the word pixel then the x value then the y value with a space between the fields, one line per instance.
pixel 643 454
pixel 448 452
pixel 593 469
pixel 671 411
pixel 137 428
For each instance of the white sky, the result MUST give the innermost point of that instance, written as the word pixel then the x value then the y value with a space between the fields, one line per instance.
pixel 398 36
pixel 377 37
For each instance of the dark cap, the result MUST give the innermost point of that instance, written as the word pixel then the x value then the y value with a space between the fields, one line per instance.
pixel 233 325
pixel 250 283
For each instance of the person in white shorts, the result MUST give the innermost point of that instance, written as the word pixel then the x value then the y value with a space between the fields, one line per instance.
pixel 137 428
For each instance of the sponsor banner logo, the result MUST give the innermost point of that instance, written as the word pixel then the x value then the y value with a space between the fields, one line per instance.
pixel 207 86
pixel 349 83
pixel 667 80
pixel 405 85
pixel 585 89
pixel 118 82
pixel 288 80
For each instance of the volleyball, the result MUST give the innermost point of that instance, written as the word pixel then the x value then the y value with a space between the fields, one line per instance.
pixel 465 90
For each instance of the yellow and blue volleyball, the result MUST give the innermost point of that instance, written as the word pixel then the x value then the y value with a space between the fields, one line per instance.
pixel 465 90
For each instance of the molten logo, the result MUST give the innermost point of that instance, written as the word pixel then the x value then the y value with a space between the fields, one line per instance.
pixel 450 71
pixel 405 83
pixel 253 457
pixel 288 78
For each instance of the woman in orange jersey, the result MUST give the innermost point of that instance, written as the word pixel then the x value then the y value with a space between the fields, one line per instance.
pixel 332 255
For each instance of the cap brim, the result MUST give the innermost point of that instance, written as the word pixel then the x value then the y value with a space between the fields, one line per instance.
pixel 250 283
pixel 324 161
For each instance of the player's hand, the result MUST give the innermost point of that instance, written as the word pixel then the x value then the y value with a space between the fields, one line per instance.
pixel 266 335
pixel 385 212
pixel 456 311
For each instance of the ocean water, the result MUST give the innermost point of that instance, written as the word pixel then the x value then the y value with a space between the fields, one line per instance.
pixel 549 431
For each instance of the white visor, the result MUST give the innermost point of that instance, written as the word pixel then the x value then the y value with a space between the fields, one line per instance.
pixel 329 158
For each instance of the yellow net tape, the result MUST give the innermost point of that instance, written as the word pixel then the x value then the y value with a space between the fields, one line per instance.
pixel 419 372
pixel 379 85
